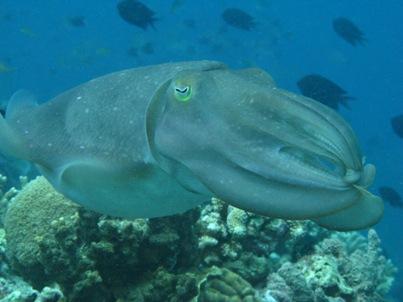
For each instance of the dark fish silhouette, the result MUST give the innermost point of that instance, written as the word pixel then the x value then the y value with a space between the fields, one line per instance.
pixel 323 90
pixel 390 195
pixel 77 21
pixel 238 18
pixel 6 17
pixel 348 31
pixel 147 48
pixel 397 124
pixel 190 23
pixel 136 13
pixel 3 106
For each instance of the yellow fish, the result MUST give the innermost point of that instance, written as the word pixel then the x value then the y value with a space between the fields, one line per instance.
pixel 4 68
pixel 27 32
pixel 176 4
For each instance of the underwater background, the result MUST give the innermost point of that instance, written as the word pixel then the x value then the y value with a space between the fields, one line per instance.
pixel 49 46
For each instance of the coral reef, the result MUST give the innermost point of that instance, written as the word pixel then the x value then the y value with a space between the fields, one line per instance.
pixel 336 272
pixel 29 226
pixel 6 196
pixel 13 288
pixel 213 253
pixel 224 285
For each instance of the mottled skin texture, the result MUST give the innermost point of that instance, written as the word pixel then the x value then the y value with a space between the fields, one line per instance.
pixel 159 140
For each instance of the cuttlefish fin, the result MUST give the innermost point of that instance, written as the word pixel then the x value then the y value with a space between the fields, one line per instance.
pixel 258 76
pixel 21 100
pixel 365 212
pixel 139 190
pixel 90 182
pixel 10 140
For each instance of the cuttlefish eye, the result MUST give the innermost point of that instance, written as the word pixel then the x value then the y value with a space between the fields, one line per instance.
pixel 183 93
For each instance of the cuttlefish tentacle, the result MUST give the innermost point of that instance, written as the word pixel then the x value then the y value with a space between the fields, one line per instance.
pixel 349 151
pixel 366 210
pixel 356 171
pixel 275 131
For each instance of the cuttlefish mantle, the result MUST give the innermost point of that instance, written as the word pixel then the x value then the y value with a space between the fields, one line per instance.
pixel 159 140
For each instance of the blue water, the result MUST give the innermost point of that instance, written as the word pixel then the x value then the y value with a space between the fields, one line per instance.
pixel 291 39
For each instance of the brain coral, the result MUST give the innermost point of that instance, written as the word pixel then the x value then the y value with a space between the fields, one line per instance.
pixel 30 219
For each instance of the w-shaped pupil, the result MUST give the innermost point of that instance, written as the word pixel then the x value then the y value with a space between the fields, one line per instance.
pixel 181 90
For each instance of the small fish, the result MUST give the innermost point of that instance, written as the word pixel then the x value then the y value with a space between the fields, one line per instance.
pixel 323 90
pixel 397 124
pixel 27 32
pixel 189 23
pixel 177 4
pixel 348 31
pixel 76 21
pixel 136 13
pixel 148 48
pixel 102 51
pixel 3 107
pixel 238 18
pixel 4 68
pixel 390 195
pixel 6 17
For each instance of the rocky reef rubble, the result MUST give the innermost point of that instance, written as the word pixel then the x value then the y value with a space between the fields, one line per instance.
pixel 336 271
pixel 213 253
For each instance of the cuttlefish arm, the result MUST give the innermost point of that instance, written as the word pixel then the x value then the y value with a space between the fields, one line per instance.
pixel 264 149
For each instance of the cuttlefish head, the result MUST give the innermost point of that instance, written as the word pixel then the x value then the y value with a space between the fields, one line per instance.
pixel 261 148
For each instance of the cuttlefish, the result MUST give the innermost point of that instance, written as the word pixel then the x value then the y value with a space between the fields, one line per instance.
pixel 159 140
